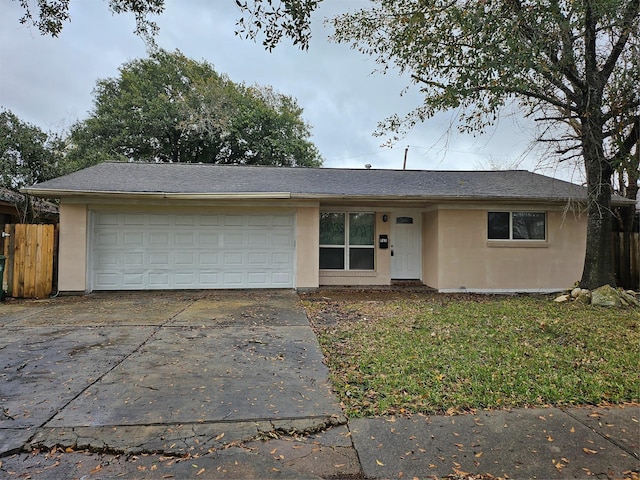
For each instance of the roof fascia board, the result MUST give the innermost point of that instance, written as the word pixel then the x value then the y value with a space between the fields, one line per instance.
pixel 469 200
pixel 52 193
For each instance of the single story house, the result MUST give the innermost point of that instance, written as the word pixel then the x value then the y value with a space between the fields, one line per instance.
pixel 139 226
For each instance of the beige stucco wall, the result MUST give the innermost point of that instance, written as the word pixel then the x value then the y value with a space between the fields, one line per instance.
pixel 456 254
pixel 72 257
pixel 467 260
pixel 307 253
pixel 430 243
pixel 382 273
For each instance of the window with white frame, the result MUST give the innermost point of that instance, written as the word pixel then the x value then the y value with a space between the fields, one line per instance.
pixel 517 226
pixel 347 240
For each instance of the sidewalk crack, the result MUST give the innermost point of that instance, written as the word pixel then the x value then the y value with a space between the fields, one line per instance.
pixel 605 437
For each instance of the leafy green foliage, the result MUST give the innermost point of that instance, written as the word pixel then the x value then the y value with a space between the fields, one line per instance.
pixel 169 108
pixel 277 19
pixel 433 353
pixel 27 154
pixel 50 15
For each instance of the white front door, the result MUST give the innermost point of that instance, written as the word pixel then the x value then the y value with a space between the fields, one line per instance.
pixel 406 260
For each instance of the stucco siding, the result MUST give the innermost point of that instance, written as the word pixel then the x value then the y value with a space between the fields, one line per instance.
pixel 72 258
pixel 430 263
pixel 468 261
pixel 307 251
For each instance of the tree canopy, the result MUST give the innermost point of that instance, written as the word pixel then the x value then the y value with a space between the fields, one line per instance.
pixel 27 154
pixel 573 66
pixel 49 16
pixel 169 108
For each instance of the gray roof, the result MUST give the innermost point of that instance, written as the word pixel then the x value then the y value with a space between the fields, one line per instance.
pixel 173 179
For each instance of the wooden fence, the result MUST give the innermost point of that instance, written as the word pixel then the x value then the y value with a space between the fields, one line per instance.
pixel 29 266
pixel 627 267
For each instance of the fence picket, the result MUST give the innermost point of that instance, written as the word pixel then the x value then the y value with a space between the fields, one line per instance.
pixel 30 255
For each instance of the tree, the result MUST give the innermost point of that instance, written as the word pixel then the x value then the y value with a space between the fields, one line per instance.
pixel 169 108
pixel 572 65
pixel 27 156
pixel 49 16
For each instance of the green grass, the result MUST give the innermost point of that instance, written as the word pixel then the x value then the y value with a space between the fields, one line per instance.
pixel 390 353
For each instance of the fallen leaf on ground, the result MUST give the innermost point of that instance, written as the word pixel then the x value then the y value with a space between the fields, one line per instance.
pixel 588 450
pixel 379 463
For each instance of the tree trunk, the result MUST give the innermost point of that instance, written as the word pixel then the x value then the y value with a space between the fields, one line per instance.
pixel 598 261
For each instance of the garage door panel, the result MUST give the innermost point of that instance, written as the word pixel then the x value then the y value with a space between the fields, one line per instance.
pixel 131 219
pixel 233 220
pixel 185 238
pixel 165 251
pixel 257 239
pixel 208 259
pixel 159 259
pixel 232 279
pixel 282 240
pixel 282 221
pixel 232 259
pixel 133 280
pixel 159 280
pixel 258 258
pixel 208 280
pixel 159 220
pixel 282 279
pixel 233 239
pixel 133 239
pixel 106 238
pixel 185 259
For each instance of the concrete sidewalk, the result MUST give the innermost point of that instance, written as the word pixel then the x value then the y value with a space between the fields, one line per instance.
pixel 232 385
pixel 525 443
pixel 549 443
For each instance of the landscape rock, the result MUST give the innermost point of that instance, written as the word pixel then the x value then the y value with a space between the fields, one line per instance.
pixel 629 299
pixel 562 298
pixel 575 293
pixel 584 296
pixel 606 296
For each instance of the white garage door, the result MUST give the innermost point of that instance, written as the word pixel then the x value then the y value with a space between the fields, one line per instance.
pixel 166 251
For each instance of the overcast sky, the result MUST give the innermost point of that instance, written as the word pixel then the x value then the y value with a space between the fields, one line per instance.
pixel 49 82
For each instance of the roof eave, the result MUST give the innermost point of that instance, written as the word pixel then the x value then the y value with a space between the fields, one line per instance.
pixel 55 193
pixel 434 198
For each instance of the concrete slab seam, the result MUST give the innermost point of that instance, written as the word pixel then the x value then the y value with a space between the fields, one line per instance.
pixel 100 377
pixel 611 440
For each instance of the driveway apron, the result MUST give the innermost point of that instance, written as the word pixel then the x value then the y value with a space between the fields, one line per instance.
pixel 169 371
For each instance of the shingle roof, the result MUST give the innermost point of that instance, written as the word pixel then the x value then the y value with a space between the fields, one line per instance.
pixel 145 178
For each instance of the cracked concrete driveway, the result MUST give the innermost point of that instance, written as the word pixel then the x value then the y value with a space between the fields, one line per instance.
pixel 159 372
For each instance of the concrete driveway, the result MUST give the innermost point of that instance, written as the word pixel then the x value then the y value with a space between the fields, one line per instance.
pixel 173 372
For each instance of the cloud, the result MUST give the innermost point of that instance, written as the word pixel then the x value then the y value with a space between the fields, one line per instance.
pixel 48 81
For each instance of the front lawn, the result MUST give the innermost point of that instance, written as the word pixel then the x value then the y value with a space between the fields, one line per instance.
pixel 392 352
